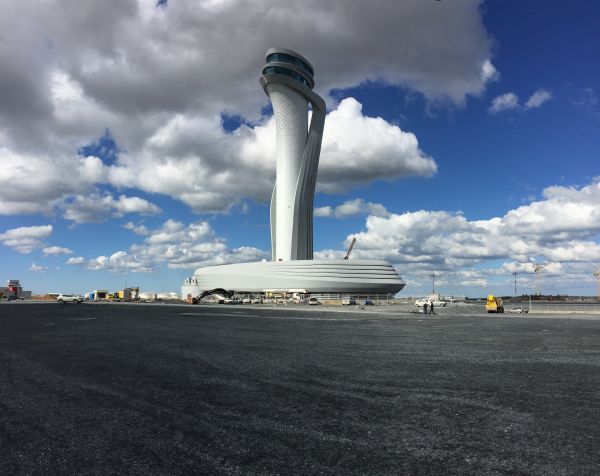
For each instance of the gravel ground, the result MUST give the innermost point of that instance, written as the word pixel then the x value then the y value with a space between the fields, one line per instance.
pixel 159 389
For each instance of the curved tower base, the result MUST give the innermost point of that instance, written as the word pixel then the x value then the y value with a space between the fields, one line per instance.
pixel 313 276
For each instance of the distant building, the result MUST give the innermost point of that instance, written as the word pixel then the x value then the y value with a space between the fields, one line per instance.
pixel 147 296
pixel 98 295
pixel 128 294
pixel 13 288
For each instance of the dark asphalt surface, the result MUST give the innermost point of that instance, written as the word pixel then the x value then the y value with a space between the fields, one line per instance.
pixel 126 389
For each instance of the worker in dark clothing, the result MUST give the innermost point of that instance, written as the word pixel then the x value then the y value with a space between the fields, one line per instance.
pixel 424 309
pixel 431 311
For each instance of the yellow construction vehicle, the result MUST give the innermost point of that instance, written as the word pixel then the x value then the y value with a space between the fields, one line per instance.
pixel 494 304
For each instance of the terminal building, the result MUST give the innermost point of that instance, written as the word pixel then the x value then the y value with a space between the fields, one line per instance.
pixel 288 79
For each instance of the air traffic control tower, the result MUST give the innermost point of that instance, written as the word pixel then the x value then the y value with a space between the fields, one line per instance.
pixel 288 81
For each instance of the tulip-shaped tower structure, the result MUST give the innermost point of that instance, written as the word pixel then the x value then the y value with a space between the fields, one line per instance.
pixel 287 78
pixel 288 81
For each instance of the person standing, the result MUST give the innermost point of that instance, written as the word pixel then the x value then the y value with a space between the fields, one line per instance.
pixel 431 311
pixel 425 308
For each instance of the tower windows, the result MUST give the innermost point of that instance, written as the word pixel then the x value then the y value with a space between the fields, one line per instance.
pixel 285 58
pixel 286 72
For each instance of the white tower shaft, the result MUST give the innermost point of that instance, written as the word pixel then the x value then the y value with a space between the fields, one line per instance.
pixel 291 119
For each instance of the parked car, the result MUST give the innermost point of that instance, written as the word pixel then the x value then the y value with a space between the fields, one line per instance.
pixel 234 301
pixel 247 301
pixel 256 300
pixel 348 301
pixel 65 298
pixel 313 301
pixel 519 310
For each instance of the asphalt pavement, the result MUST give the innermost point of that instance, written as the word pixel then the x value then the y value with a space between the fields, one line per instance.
pixel 159 389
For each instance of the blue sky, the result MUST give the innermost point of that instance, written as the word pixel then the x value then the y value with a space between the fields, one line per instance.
pixel 160 155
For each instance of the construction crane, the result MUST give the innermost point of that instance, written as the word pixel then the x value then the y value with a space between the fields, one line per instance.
pixel 350 248
pixel 536 269
pixel 597 276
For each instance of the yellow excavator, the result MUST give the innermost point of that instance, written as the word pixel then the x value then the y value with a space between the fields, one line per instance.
pixel 494 304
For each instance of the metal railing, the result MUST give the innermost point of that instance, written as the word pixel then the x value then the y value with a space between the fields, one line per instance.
pixel 564 308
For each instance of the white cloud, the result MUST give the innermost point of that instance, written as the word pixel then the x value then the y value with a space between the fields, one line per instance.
pixel 37 183
pixel 561 231
pixel 326 211
pixel 137 229
pixel 37 268
pixel 76 260
pixel 176 244
pixel 538 98
pixel 162 98
pixel 504 102
pixel 586 98
pixel 56 250
pixel 356 150
pixel 356 206
pixel 97 208
pixel 120 262
pixel 26 238
pixel 489 71
pixel 510 101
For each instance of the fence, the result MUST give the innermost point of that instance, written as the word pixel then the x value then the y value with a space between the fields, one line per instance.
pixel 564 308
pixel 374 297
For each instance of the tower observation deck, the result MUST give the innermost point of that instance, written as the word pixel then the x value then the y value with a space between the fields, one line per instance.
pixel 287 79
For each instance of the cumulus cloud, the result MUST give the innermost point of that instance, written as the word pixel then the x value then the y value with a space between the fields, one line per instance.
pixel 510 101
pixel 36 183
pixel 356 150
pixel 98 208
pixel 137 229
pixel 176 244
pixel 163 98
pixel 76 260
pixel 489 72
pixel 538 98
pixel 26 238
pixel 56 250
pixel 326 211
pixel 37 268
pixel 561 231
pixel 359 149
pixel 356 206
pixel 504 102
pixel 585 98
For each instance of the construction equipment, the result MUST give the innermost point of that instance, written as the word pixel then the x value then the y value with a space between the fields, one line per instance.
pixel 350 248
pixel 494 304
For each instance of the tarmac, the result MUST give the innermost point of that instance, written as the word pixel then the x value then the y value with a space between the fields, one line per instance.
pixel 162 389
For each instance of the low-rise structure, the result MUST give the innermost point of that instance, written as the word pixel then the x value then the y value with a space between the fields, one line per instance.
pixel 97 295
pixel 13 288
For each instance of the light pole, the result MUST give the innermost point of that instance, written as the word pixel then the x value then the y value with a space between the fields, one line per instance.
pixel 515 275
pixel 432 283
